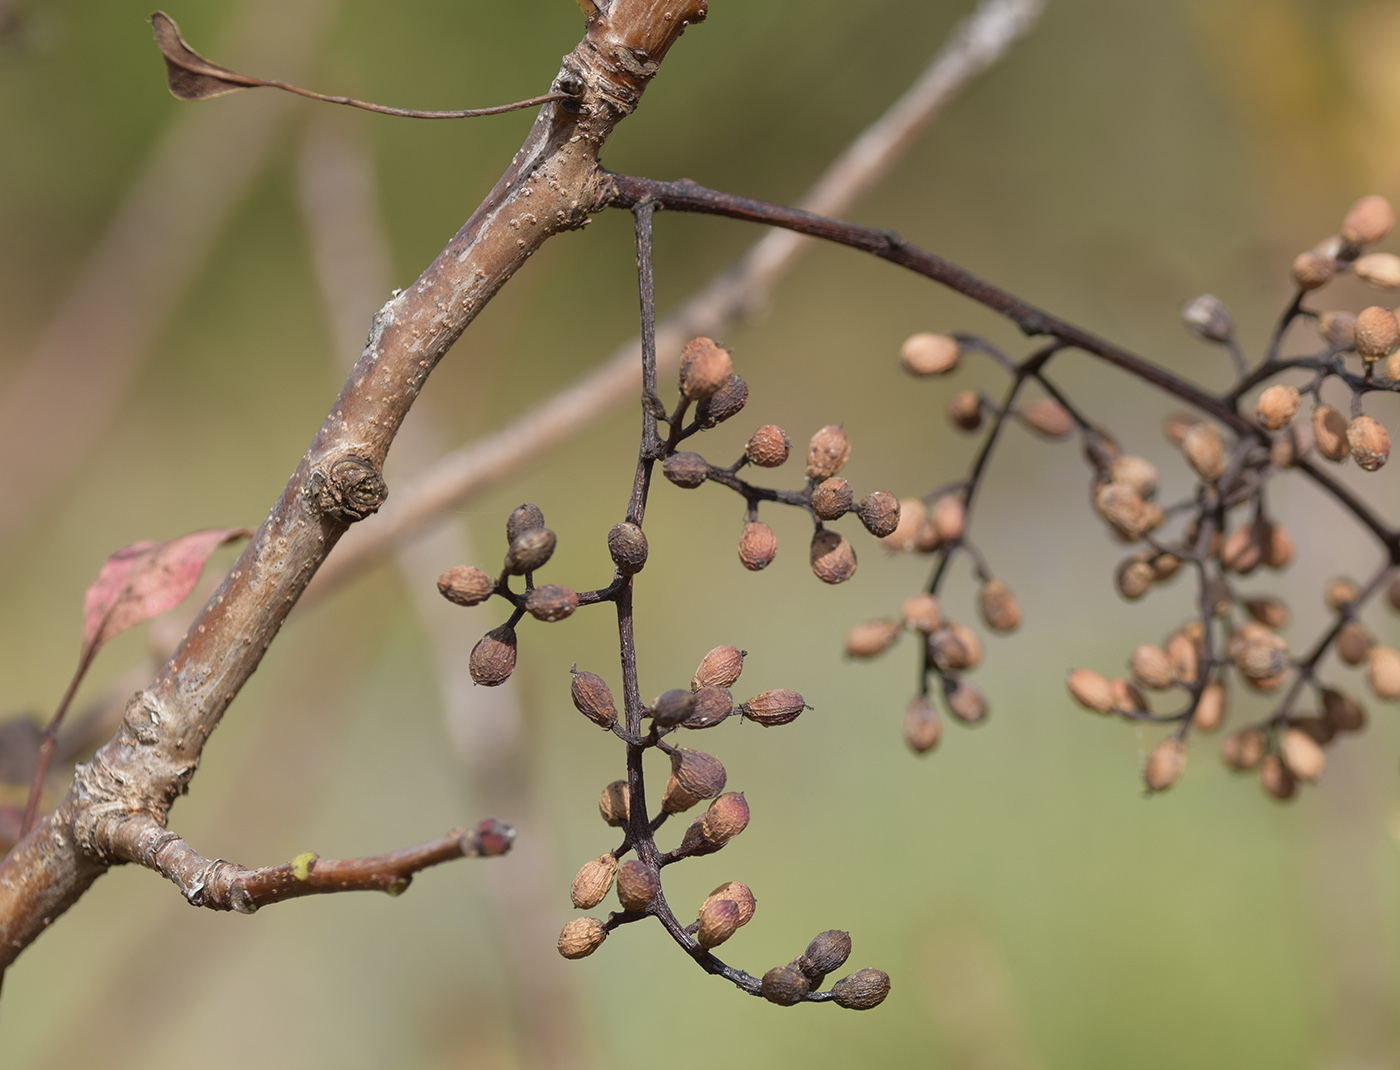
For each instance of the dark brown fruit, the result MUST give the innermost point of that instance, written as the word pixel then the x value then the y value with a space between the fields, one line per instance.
pixel 593 698
pixel 493 658
pixel 523 518
pixel 466 586
pixel 551 602
pixel 627 545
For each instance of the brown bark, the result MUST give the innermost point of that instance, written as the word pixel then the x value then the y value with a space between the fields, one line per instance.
pixel 552 185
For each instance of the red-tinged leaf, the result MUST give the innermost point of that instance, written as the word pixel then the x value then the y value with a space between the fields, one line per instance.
pixel 189 75
pixel 146 579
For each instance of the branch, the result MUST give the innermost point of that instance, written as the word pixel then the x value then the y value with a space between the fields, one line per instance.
pixel 974 45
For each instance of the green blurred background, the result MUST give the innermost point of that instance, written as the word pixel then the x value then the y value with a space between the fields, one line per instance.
pixel 1033 908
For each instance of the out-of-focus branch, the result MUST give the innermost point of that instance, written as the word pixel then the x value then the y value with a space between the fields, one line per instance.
pixel 975 44
pixel 62 400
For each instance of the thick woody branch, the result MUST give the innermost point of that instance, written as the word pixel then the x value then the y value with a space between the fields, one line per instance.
pixel 220 885
pixel 552 185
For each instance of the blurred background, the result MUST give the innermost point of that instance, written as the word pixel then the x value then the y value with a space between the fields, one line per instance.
pixel 182 288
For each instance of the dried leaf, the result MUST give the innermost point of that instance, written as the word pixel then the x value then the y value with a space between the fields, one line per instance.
pixel 189 75
pixel 146 579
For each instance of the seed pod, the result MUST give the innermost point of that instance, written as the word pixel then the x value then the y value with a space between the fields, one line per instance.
pixel 1312 270
pixel 718 922
pixel 929 354
pixel 827 452
pixel 879 512
pixel 1383 672
pixel 826 953
pixel 757 546
pixel 1177 424
pixel 1048 418
pixel 775 707
pixel 686 470
pixel 712 705
pixel 593 882
pixel 1276 778
pixel 1342 712
pixel 1381 270
pixel 832 557
pixel 529 551
pixel 831 498
pixel 736 893
pixel 912 516
pixel 729 401
pixel 523 518
pixel 1165 566
pixel 1260 659
pixel 1377 333
pixel 965 410
pixel 612 803
pixel 1090 690
pixel 1184 659
pixel 1000 610
pixel 1340 591
pixel 698 773
pixel 1243 750
pixel 1368 221
pixel 1269 612
pixel 1123 509
pixel 921 612
pixel 493 658
pixel 719 668
pixel 768 447
pixel 1369 442
pixel 1151 668
pixel 1135 577
pixel 922 729
pixel 871 638
pixel 1207 317
pixel 785 986
pixel 953 648
pixel 862 990
pixel 726 817
pixel 965 702
pixel 1302 755
pixel 581 937
pixel 1353 642
pixel 675 799
pixel 1330 433
pixel 1204 452
pixel 627 546
pixel 705 368
pixel 672 708
pixel 593 698
pixel 465 586
pixel 637 885
pixel 1210 710
pixel 551 602
pixel 1165 764
pixel 949 517
pixel 1137 472
pixel 1277 406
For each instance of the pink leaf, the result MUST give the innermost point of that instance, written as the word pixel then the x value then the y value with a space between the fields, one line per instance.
pixel 146 579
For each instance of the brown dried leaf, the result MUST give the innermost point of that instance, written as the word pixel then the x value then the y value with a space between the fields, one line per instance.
pixel 188 74
pixel 146 579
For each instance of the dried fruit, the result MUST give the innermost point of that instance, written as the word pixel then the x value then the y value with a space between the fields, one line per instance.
pixel 1135 577
pixel 581 937
pixel 1165 764
pixel 862 990
pixel 593 698
pixel 827 452
pixel 1091 690
pixel 1243 549
pixel 719 668
pixel 712 705
pixel 726 817
pixel 929 354
pixel 466 586
pixel 757 546
pixel 954 648
pixel 831 498
pixel 672 708
pixel 627 546
pixel 1381 270
pixel 1369 442
pixel 949 517
pixel 529 551
pixel 1342 712
pixel 1269 612
pixel 832 557
pixel 1383 672
pixel 1276 778
pixel 493 658
pixel 1210 710
pixel 871 638
pixel 1338 329
pixel 1204 452
pixel 1207 317
pixel 729 401
pixel 1123 509
pixel 1330 433
pixel 826 953
pixel 718 922
pixel 879 512
pixel 965 702
pixel 523 518
pixel 1243 750
pixel 637 885
pixel 612 803
pixel 1368 220
pixel 1302 755
pixel 912 516
pixel 686 469
pixel 965 410
pixel 775 707
pixel 699 774
pixel 1258 655
pixel 1000 610
pixel 785 986
pixel 1312 270
pixel 1137 472
pixel 704 369
pixel 551 602
pixel 922 729
pixel 1151 667
pixel 1277 406
pixel 1353 642
pixel 736 893
pixel 1047 417
pixel 921 612
pixel 675 799
pixel 1377 333
pixel 593 882
pixel 768 447
pixel 1184 658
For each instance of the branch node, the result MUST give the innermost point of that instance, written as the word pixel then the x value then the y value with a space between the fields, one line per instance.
pixel 350 490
